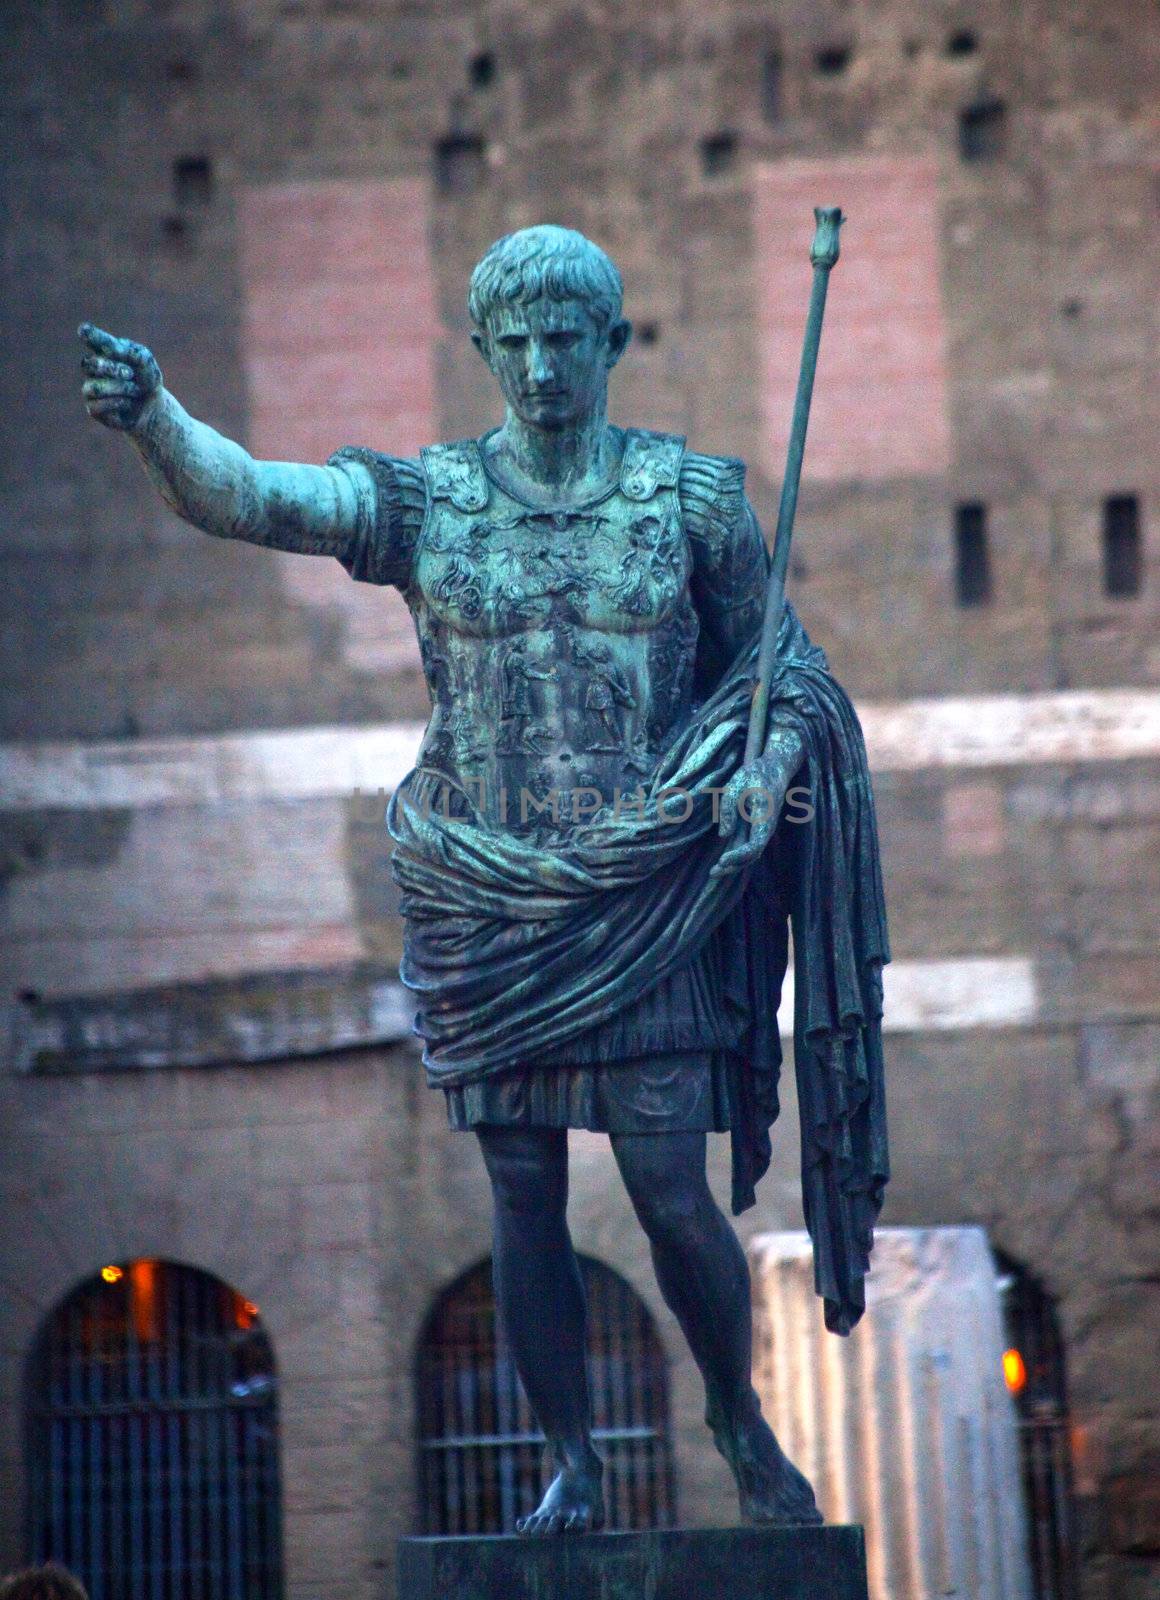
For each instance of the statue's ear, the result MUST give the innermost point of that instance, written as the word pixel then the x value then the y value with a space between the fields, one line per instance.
pixel 618 336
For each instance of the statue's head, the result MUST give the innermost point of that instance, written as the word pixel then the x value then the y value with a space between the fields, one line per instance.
pixel 546 306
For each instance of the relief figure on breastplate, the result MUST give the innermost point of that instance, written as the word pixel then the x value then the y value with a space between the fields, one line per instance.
pixel 519 734
pixel 672 653
pixel 652 561
pixel 606 696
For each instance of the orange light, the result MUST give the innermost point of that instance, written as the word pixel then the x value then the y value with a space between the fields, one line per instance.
pixel 112 1274
pixel 245 1312
pixel 1014 1372
pixel 143 1281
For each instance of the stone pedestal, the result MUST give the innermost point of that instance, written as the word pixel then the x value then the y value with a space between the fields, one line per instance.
pixel 673 1564
pixel 906 1426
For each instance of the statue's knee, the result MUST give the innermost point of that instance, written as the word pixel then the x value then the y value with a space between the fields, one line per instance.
pixel 665 1178
pixel 528 1177
pixel 530 1197
pixel 669 1210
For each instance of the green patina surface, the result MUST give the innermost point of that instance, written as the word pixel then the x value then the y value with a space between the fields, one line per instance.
pixel 588 602
pixel 596 921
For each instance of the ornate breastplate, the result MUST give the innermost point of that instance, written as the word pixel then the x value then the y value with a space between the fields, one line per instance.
pixel 558 644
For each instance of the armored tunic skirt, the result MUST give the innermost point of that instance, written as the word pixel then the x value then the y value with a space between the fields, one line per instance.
pixel 573 958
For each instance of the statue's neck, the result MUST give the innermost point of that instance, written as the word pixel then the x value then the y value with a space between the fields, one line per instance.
pixel 556 464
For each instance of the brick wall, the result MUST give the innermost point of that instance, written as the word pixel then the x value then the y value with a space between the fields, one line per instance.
pixel 340 341
pixel 1020 281
pixel 881 409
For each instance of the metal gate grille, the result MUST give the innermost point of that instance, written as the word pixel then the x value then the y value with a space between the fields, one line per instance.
pixel 480 1451
pixel 152 1439
pixel 1034 1368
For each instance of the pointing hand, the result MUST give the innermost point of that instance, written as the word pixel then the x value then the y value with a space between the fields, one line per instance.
pixel 121 378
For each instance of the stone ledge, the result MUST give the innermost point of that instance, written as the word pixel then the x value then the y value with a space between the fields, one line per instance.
pixel 671 1564
pixel 260 1017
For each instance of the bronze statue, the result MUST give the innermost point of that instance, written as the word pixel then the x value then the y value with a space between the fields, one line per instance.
pixel 595 908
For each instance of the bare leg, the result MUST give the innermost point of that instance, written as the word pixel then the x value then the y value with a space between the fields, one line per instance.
pixel 704 1277
pixel 540 1296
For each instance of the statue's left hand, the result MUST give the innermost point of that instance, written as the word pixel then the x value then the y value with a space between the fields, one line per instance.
pixel 752 802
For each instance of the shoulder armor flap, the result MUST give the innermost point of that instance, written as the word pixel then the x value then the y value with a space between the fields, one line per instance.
pixel 455 472
pixel 651 461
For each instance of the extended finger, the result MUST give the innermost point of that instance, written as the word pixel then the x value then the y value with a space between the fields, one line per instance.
pixel 734 858
pixel 733 813
pixel 102 367
pixel 105 344
pixel 727 816
pixel 109 388
pixel 747 849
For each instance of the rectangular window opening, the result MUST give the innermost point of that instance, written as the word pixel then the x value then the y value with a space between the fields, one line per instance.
pixel 771 85
pixel 972 555
pixel 460 163
pixel 718 152
pixel 193 181
pixel 1123 551
pixel 983 130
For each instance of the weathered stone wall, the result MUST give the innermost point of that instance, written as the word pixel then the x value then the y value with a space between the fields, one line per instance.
pixel 317 1191
pixel 333 1194
pixel 677 135
pixel 654 128
pixel 1032 1112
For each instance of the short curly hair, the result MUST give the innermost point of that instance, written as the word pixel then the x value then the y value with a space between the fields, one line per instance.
pixel 545 260
pixel 51 1582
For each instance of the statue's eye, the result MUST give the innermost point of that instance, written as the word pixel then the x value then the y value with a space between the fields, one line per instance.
pixel 513 341
pixel 562 339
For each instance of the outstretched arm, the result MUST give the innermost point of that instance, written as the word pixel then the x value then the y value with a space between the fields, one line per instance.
pixel 208 479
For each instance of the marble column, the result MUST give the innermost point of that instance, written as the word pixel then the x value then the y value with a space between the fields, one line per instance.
pixel 906 1426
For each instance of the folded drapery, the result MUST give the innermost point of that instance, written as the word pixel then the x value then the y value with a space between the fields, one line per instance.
pixel 513 946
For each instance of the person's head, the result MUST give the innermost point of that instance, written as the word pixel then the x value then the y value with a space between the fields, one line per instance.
pixel 546 306
pixel 49 1582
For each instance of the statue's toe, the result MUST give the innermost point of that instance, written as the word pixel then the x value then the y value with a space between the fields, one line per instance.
pixel 573 1504
pixel 787 1499
pixel 539 1524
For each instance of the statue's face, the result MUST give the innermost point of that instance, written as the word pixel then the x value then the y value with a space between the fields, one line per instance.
pixel 551 360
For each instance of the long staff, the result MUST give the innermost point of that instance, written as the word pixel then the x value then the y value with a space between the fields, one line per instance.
pixel 823 254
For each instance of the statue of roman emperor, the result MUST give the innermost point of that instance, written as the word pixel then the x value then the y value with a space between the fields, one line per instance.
pixel 596 886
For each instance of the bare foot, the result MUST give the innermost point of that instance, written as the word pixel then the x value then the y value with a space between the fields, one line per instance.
pixel 574 1503
pixel 769 1486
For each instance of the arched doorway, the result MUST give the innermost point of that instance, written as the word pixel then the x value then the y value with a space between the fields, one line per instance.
pixel 152 1438
pixel 1033 1366
pixel 480 1452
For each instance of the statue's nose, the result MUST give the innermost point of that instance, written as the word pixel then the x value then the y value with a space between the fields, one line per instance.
pixel 539 367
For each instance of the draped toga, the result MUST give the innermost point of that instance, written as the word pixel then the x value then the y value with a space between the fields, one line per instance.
pixel 527 938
